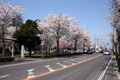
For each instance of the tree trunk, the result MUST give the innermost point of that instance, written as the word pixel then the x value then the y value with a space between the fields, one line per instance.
pixel 75 47
pixel 114 47
pixel 57 47
pixel 3 41
pixel 49 49
pixel 46 49
pixel 3 47
pixel 30 52
pixel 118 34
pixel 118 48
pixel 119 44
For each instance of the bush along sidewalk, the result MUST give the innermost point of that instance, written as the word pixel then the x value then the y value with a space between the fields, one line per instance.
pixel 6 59
pixel 52 55
pixel 117 60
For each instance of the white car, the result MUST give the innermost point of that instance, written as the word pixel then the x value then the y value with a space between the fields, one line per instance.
pixel 106 53
pixel 96 51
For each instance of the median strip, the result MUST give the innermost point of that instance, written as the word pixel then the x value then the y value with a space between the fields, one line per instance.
pixel 62 68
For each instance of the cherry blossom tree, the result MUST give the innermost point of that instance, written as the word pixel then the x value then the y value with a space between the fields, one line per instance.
pixel 87 39
pixel 63 42
pixel 75 33
pixel 7 12
pixel 114 41
pixel 10 31
pixel 58 26
pixel 46 35
pixel 115 23
pixel 59 30
pixel 17 21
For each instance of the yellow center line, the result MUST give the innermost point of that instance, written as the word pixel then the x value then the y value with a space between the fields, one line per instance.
pixel 62 68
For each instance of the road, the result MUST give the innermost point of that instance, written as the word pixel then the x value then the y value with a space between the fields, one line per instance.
pixel 85 67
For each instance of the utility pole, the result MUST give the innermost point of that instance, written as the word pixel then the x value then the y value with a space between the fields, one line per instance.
pixel 98 41
pixel 95 42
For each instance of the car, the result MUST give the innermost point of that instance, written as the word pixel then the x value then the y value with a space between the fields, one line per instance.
pixel 106 53
pixel 90 52
pixel 96 51
pixel 53 51
pixel 78 51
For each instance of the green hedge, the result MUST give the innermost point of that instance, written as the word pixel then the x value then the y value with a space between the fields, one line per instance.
pixel 6 59
pixel 49 55
pixel 68 54
pixel 117 56
pixel 118 60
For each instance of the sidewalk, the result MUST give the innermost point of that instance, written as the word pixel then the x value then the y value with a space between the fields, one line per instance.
pixel 20 60
pixel 112 73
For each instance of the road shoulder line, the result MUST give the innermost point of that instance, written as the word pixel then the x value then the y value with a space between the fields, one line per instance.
pixel 103 73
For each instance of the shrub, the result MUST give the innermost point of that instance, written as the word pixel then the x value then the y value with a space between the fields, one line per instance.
pixel 6 59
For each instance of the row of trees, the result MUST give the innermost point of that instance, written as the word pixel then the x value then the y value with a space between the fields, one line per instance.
pixel 115 22
pixel 56 30
pixel 62 31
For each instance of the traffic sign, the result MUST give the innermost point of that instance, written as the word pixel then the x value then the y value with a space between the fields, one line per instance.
pixel 42 42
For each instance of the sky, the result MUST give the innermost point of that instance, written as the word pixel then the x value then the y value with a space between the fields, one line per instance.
pixel 91 13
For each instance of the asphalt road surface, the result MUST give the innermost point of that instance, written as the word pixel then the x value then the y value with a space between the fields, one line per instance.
pixel 85 67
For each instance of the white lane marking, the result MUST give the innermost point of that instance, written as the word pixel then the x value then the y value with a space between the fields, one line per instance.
pixel 77 59
pixel 4 66
pixel 103 73
pixel 118 75
pixel 49 68
pixel 5 76
pixel 61 64
pixel 69 62
pixel 73 60
pixel 30 70
pixel 30 73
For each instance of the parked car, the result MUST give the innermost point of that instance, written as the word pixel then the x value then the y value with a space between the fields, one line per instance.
pixel 90 52
pixel 106 52
pixel 53 51
pixel 78 51
pixel 96 51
